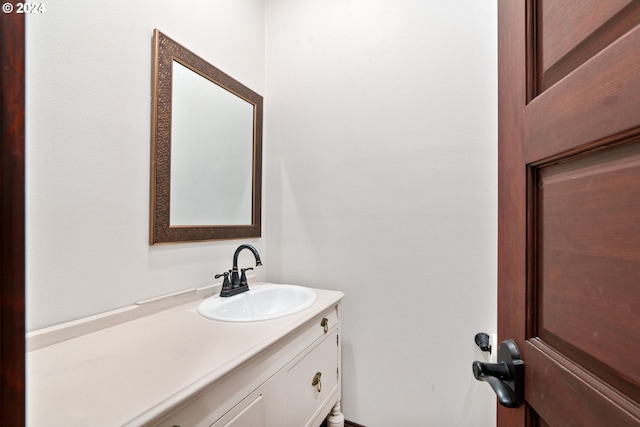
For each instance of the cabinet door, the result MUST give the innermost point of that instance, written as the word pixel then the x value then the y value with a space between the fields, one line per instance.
pixel 251 412
pixel 305 397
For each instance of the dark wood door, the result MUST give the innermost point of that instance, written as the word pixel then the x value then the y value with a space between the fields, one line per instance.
pixel 569 208
pixel 12 222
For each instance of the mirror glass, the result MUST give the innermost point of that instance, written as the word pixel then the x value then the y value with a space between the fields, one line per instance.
pixel 209 157
pixel 206 150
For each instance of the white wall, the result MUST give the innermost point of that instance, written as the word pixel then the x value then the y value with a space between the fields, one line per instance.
pixel 381 178
pixel 88 149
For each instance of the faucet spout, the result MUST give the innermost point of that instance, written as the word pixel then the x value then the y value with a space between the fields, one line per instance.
pixel 240 248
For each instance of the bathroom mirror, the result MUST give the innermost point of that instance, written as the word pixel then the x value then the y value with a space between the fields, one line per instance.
pixel 206 148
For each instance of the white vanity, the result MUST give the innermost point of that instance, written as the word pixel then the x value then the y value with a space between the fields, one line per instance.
pixel 160 363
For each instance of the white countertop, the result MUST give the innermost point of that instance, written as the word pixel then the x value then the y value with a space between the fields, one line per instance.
pixel 146 365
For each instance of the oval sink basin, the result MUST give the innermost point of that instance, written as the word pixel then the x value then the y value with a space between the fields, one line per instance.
pixel 261 302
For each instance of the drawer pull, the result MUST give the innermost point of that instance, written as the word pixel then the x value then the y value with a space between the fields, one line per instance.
pixel 316 382
pixel 325 324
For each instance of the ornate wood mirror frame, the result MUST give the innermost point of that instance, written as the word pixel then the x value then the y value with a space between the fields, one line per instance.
pixel 168 53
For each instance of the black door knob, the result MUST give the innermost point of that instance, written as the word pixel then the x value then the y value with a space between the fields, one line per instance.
pixel 506 377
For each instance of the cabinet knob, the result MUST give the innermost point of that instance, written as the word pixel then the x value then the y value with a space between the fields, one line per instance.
pixel 325 324
pixel 316 382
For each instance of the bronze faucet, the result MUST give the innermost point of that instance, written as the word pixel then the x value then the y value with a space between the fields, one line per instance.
pixel 238 283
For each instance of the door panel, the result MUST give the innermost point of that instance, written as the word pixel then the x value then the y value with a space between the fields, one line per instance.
pixel 587 261
pixel 590 106
pixel 558 39
pixel 564 394
pixel 566 34
pixel 569 208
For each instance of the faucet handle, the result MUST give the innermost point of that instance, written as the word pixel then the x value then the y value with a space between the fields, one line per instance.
pixel 243 276
pixel 226 284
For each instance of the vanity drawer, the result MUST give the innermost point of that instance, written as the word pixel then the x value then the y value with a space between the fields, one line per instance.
pixel 324 324
pixel 312 380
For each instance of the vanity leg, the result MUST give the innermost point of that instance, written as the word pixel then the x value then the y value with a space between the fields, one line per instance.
pixel 336 418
